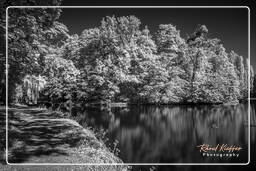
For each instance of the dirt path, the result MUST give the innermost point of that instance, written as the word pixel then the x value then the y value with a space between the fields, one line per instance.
pixel 41 136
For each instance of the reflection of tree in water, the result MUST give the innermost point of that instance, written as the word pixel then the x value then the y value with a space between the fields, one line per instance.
pixel 253 128
pixel 171 134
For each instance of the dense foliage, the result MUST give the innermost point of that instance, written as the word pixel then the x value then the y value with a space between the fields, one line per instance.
pixel 119 61
pixel 31 32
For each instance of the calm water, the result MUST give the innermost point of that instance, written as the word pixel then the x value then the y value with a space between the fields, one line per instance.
pixel 171 134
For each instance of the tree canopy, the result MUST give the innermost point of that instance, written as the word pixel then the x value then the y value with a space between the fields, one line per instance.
pixel 121 60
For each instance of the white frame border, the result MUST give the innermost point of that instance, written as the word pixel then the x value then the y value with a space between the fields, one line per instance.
pixel 128 164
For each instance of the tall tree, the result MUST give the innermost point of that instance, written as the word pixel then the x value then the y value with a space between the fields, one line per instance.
pixel 166 82
pixel 213 76
pixel 30 33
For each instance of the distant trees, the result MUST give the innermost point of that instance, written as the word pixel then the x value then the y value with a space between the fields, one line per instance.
pixel 122 61
pixel 29 91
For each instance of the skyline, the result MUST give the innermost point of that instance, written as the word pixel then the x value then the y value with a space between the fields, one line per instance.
pixel 230 25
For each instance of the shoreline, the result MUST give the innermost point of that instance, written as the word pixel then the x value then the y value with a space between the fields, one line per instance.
pixel 126 104
pixel 43 136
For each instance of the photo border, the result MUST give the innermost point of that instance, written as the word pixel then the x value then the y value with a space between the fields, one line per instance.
pixel 128 164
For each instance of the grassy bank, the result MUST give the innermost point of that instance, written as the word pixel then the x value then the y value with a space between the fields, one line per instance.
pixel 43 136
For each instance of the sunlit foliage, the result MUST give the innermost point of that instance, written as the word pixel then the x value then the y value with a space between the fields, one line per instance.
pixel 120 60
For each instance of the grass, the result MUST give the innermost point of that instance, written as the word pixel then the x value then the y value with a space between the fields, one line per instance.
pixel 42 136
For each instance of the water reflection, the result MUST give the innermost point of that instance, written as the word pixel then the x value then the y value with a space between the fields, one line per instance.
pixel 170 134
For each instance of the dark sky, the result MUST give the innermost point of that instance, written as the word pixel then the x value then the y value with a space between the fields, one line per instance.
pixel 228 24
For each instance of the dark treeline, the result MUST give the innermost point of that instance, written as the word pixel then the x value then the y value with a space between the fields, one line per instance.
pixel 119 61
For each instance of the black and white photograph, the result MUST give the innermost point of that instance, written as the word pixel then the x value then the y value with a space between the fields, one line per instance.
pixel 124 88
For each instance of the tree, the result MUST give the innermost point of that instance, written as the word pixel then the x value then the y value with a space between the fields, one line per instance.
pixel 115 55
pixel 29 91
pixel 30 32
pixel 166 83
pixel 62 80
pixel 212 76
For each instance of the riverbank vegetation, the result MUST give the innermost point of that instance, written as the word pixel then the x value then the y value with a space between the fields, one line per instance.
pixel 41 136
pixel 37 135
pixel 118 61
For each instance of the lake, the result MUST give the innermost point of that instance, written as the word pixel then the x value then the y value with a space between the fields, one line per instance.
pixel 171 134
